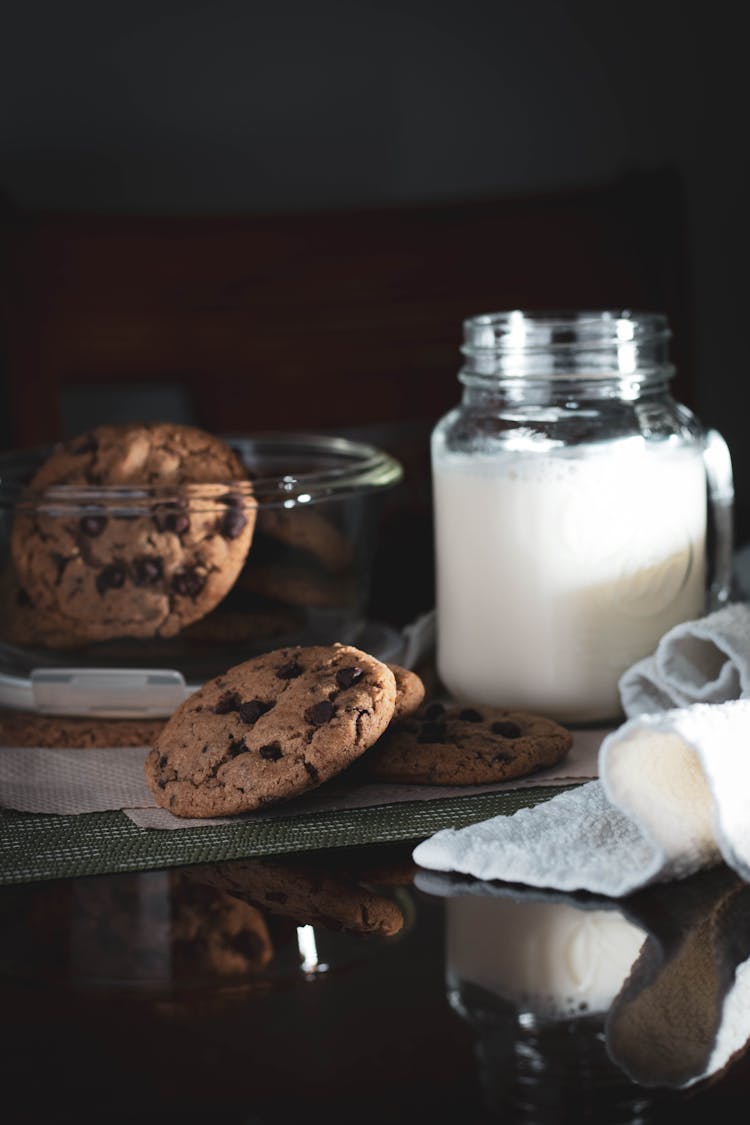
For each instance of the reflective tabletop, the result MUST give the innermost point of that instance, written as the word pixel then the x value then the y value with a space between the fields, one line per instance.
pixel 351 986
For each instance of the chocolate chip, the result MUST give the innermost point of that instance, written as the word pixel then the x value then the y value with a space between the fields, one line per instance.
pixel 111 577
pixel 229 701
pixel 434 711
pixel 289 671
pixel 320 713
pixel 237 746
pixel 232 523
pixel 469 715
pixel 147 570
pixel 506 729
pixel 93 525
pixel 231 499
pixel 251 711
pixel 345 677
pixel 272 752
pixel 167 519
pixel 22 598
pixel 188 583
pixel 432 732
pixel 163 762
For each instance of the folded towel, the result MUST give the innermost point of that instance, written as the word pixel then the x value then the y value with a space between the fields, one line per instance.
pixel 673 797
pixel 704 661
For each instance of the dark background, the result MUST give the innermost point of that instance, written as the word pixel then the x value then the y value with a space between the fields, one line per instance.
pixel 183 108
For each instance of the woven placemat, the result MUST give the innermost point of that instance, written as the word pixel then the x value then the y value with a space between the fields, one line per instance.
pixel 34 848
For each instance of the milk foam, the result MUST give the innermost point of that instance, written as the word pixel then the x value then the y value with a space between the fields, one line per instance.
pixel 557 571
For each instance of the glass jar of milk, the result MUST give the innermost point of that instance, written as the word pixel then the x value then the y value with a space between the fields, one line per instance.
pixel 570 504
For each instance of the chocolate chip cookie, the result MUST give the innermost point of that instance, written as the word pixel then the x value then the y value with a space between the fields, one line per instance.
pixel 270 729
pixel 297 585
pixel 409 692
pixel 23 728
pixel 306 529
pixel 133 530
pixel 23 623
pixel 465 745
pixel 246 627
pixel 215 933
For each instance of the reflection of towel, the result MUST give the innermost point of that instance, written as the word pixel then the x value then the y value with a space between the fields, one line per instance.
pixel 685 1008
pixel 704 661
pixel 673 797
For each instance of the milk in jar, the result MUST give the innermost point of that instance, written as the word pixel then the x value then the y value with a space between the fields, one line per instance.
pixel 556 573
pixel 570 509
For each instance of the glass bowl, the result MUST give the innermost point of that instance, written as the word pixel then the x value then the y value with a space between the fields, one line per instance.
pixel 306 577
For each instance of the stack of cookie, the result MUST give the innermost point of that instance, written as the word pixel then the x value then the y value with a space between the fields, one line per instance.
pixel 283 723
pixel 144 530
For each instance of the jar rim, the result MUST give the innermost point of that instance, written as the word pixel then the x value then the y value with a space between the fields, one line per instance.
pixel 573 344
pixel 545 329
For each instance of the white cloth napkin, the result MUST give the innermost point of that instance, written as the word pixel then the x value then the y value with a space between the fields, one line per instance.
pixel 703 661
pixel 673 797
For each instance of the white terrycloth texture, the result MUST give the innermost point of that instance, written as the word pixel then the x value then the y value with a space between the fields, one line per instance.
pixel 703 661
pixel 673 797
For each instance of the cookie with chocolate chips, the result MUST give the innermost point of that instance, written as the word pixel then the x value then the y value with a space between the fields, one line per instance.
pixel 467 745
pixel 270 729
pixel 409 692
pixel 133 530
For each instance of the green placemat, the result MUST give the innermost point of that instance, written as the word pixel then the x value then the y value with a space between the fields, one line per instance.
pixel 34 848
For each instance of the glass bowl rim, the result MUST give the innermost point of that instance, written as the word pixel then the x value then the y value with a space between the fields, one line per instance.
pixel 361 468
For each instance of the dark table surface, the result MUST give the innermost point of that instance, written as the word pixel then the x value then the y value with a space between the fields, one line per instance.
pixel 349 986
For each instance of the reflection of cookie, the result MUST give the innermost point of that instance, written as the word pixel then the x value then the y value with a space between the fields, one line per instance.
pixel 409 692
pixel 270 729
pixel 310 897
pixel 306 529
pixel 162 926
pixel 140 565
pixel 467 746
pixel 298 586
pixel 215 932
pixel 21 728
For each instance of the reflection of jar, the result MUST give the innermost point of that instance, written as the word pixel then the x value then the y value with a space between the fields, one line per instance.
pixel 570 510
pixel 535 980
